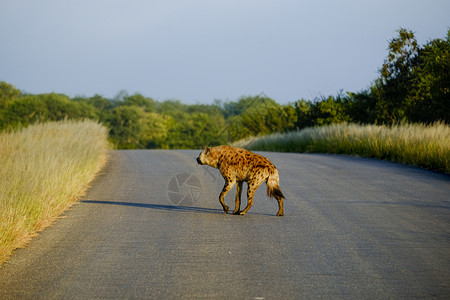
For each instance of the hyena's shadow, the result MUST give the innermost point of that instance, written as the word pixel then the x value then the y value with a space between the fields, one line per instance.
pixel 165 207
pixel 159 206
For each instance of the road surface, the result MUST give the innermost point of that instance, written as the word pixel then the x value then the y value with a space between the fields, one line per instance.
pixel 152 227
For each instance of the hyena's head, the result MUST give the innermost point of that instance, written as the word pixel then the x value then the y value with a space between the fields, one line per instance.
pixel 207 157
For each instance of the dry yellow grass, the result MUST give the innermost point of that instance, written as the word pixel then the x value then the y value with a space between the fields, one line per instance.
pixel 45 168
pixel 426 146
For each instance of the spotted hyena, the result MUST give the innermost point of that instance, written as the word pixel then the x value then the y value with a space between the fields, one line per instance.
pixel 238 165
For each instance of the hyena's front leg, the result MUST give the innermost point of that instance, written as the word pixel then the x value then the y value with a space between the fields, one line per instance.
pixel 226 188
pixel 252 186
pixel 238 198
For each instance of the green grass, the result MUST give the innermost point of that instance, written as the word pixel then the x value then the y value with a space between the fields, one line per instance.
pixel 45 168
pixel 426 146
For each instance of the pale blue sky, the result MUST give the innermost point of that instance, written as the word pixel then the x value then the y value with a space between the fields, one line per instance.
pixel 199 51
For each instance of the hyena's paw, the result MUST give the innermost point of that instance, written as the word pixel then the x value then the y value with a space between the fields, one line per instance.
pixel 225 209
pixel 280 214
pixel 236 212
pixel 242 213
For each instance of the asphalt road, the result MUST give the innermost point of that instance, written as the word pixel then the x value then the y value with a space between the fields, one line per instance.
pixel 152 227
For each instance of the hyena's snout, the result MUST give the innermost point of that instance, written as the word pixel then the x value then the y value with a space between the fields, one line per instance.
pixel 199 161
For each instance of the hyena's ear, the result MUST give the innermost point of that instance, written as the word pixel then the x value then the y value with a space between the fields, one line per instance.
pixel 207 150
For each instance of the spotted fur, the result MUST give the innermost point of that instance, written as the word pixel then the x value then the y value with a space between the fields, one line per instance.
pixel 238 165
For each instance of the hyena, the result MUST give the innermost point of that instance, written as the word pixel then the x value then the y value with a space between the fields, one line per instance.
pixel 238 165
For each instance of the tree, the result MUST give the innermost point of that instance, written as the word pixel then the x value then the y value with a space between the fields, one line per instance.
pixel 258 115
pixel 328 112
pixel 24 111
pixel 396 75
pixel 323 111
pixel 303 110
pixel 402 51
pixel 429 95
pixel 128 127
pixel 97 101
pixel 8 93
pixel 148 104
pixel 361 107
pixel 157 127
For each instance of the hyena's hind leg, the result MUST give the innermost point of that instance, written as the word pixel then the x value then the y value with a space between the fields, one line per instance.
pixel 226 188
pixel 238 197
pixel 280 205
pixel 252 186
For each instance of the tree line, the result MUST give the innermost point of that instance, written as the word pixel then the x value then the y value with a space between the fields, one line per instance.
pixel 413 86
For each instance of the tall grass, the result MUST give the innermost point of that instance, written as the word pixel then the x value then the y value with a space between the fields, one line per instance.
pixel 426 146
pixel 44 169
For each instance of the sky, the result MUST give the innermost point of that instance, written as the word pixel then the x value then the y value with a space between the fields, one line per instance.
pixel 199 51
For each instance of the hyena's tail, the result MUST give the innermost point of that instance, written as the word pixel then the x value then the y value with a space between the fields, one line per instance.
pixel 273 185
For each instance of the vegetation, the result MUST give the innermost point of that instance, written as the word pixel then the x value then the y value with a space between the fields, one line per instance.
pixel 45 168
pixel 421 145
